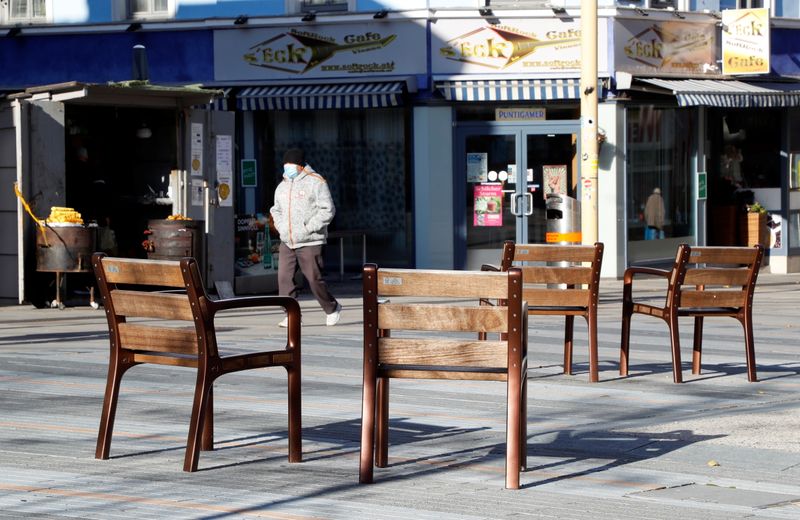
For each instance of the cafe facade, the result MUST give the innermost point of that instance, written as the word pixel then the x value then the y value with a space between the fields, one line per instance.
pixel 443 133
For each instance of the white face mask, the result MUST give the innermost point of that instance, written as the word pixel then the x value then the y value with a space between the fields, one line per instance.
pixel 290 171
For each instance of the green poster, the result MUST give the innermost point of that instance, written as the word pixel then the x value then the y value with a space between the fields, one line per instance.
pixel 702 185
pixel 249 177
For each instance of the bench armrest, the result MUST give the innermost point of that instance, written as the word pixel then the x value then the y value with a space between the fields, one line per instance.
pixel 490 267
pixel 288 303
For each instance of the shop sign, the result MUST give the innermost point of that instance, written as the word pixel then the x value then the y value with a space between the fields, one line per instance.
pixel 745 41
pixel 520 114
pixel 702 185
pixel 665 46
pixel 249 177
pixel 519 46
pixel 488 205
pixel 371 49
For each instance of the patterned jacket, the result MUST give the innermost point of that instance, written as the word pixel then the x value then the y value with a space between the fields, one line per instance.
pixel 303 209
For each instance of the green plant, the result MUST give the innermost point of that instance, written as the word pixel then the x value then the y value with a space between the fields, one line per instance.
pixel 755 207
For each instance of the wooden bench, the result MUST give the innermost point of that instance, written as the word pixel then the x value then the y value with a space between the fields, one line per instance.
pixel 560 280
pixel 129 291
pixel 703 282
pixel 428 348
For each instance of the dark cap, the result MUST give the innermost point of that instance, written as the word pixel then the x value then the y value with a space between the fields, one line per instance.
pixel 294 156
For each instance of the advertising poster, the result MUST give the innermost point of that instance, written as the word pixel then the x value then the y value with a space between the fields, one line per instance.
pixel 555 179
pixel 488 205
pixel 477 167
pixel 225 170
pixel 745 41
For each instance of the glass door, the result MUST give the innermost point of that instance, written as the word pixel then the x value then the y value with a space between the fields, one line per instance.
pixel 502 173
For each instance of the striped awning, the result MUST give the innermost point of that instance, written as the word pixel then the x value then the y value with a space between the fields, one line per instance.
pixel 510 90
pixel 316 97
pixel 729 93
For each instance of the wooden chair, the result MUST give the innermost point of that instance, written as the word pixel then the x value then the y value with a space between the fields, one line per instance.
pixel 127 289
pixel 560 280
pixel 703 282
pixel 430 350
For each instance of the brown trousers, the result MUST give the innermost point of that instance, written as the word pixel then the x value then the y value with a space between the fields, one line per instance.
pixel 309 260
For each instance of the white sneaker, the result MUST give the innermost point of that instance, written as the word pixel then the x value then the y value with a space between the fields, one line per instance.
pixel 333 318
pixel 285 322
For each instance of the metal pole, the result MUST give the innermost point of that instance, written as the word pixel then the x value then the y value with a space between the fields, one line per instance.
pixel 588 85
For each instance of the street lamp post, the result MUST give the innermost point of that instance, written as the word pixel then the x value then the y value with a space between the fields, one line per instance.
pixel 589 147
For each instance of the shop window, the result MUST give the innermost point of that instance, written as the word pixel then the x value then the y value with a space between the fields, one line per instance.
pixel 150 8
pixel 32 11
pixel 363 156
pixel 659 190
pixel 304 6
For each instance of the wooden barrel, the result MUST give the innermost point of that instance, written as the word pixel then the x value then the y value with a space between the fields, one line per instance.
pixel 174 239
pixel 67 249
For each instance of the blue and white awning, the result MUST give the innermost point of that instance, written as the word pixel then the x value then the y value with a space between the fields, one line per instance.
pixel 317 97
pixel 729 93
pixel 510 90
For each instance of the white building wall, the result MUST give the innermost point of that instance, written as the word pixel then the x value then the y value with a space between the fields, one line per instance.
pixel 433 187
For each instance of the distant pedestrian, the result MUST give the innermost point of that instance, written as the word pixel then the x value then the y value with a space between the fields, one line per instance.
pixel 654 216
pixel 302 210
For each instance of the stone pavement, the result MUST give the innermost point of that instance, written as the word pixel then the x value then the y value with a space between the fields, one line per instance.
pixel 715 447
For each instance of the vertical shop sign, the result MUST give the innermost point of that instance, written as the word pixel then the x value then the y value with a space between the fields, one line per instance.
pixel 225 170
pixel 197 149
pixel 555 179
pixel 249 177
pixel 477 167
pixel 745 41
pixel 488 205
pixel 702 185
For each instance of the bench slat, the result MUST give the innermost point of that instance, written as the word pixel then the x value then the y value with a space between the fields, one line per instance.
pixel 163 273
pixel 717 276
pixel 441 374
pixel 158 339
pixel 151 305
pixel 545 253
pixel 712 298
pixel 723 255
pixel 443 352
pixel 442 317
pixel 547 274
pixel 457 284
pixel 537 297
pixel 165 359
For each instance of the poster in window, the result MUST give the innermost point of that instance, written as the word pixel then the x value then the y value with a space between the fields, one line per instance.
pixel 488 205
pixel 555 179
pixel 794 171
pixel 477 167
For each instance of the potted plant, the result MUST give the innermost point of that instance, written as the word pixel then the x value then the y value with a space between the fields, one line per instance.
pixel 757 232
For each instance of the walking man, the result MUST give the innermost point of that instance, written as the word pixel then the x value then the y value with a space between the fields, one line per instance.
pixel 302 211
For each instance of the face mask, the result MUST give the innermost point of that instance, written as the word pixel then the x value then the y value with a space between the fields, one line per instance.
pixel 290 171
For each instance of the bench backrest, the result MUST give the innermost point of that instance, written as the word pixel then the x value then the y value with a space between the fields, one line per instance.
pixel 443 302
pixel 575 266
pixel 717 276
pixel 135 289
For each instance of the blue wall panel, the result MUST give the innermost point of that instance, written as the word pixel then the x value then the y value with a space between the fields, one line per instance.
pixel 173 57
pixel 785 52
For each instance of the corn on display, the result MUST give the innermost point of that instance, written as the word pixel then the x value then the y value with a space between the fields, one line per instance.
pixel 61 215
pixel 178 216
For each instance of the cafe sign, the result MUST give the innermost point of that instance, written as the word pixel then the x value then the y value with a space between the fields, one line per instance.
pixel 745 41
pixel 665 46
pixel 326 51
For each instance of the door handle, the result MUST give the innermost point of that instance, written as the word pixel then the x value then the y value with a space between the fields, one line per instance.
pixel 529 210
pixel 514 209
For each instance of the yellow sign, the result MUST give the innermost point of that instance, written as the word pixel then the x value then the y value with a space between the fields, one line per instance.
pixel 745 41
pixel 554 238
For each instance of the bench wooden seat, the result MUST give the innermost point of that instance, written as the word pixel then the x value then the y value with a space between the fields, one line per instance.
pixel 428 348
pixel 560 280
pixel 703 282
pixel 129 291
